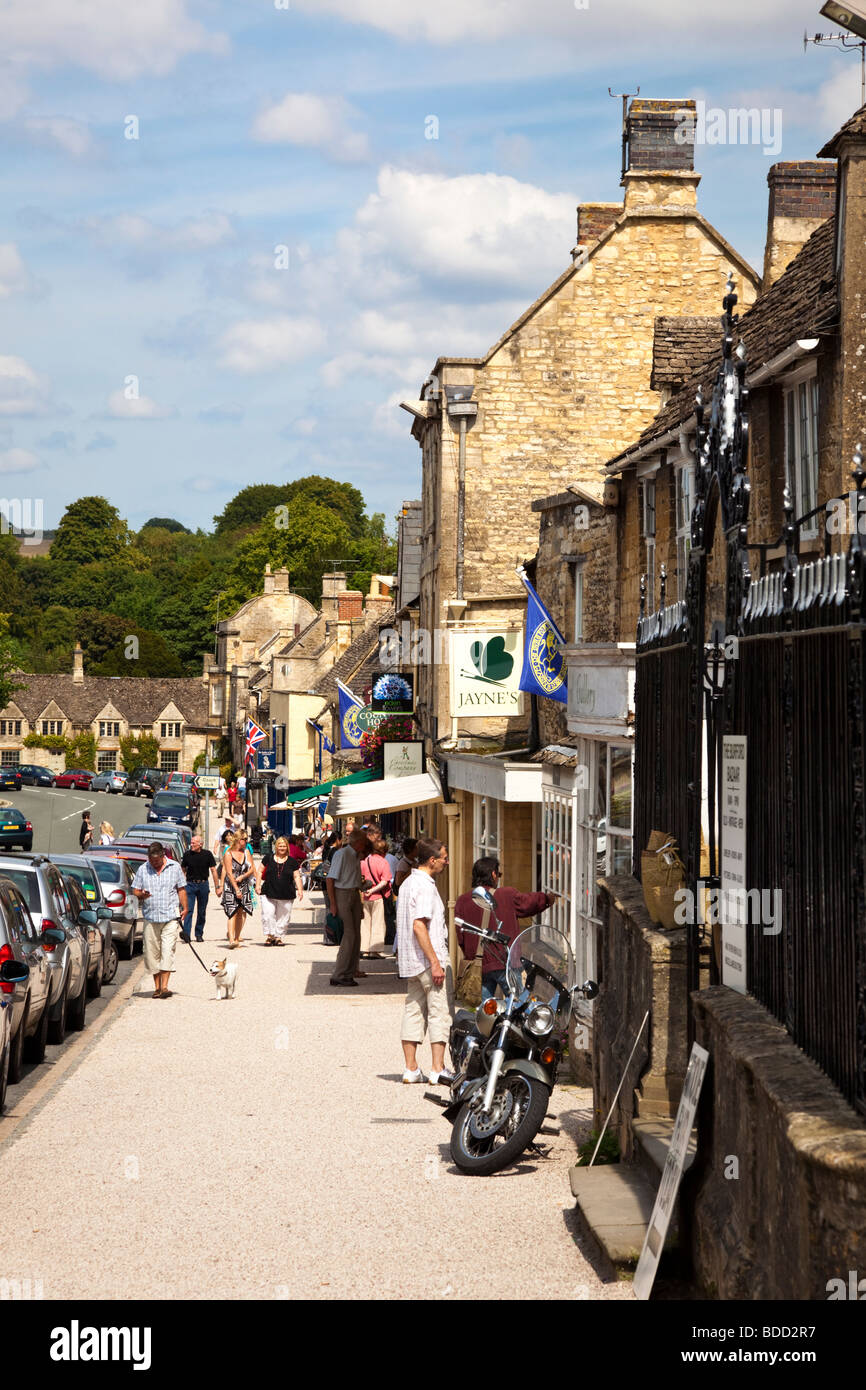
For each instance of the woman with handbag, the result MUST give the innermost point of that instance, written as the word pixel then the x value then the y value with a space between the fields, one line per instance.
pixel 281 886
pixel 238 879
pixel 375 888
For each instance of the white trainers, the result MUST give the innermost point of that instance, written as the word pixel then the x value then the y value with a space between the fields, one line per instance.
pixel 440 1078
pixel 410 1078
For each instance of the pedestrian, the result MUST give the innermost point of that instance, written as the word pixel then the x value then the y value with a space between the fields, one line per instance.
pixel 256 835
pixel 343 885
pixel 296 848
pixel 219 843
pixel 161 889
pixel 220 796
pixel 510 904
pixel 106 832
pixel 406 864
pixel 238 879
pixel 85 834
pixel 376 887
pixel 423 961
pixel 333 842
pixel 232 795
pixel 281 887
pixel 391 901
pixel 242 787
pixel 196 864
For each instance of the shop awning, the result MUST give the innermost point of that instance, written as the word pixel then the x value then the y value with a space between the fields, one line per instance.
pixel 306 796
pixel 388 794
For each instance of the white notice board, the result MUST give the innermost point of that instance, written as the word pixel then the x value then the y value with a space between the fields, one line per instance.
pixel 732 794
pixel 671 1174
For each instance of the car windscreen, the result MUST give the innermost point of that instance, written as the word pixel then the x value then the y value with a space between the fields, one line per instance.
pixel 108 870
pixel 28 886
pixel 86 877
pixel 165 802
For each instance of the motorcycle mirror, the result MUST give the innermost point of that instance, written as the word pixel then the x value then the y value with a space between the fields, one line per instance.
pixel 483 897
pixel 589 989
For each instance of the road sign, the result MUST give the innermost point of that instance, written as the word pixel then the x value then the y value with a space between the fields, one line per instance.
pixel 208 782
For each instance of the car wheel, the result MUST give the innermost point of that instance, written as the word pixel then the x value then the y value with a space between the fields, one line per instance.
pixel 57 1026
pixel 76 1010
pixel 126 949
pixel 94 985
pixel 111 969
pixel 34 1047
pixel 4 1075
pixel 16 1051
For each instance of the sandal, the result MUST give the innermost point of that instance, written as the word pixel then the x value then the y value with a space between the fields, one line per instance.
pixel 278 941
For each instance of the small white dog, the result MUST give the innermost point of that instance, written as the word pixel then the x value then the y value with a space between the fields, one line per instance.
pixel 225 973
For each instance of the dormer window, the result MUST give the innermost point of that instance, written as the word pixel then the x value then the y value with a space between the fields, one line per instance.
pixel 52 726
pixel 109 728
pixel 169 730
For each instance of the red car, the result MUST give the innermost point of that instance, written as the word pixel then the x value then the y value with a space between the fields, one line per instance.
pixel 75 777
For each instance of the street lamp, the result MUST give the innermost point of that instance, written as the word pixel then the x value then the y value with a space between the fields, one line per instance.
pixel 851 17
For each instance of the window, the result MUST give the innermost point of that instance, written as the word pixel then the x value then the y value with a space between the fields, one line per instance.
pixel 578 603
pixel 801 446
pixel 648 531
pixel 614 846
pixel 216 696
pixel 486 827
pixel 685 484
pixel 109 728
pixel 106 762
pixel 168 762
pixel 169 731
pixel 10 757
pixel 52 726
pixel 10 726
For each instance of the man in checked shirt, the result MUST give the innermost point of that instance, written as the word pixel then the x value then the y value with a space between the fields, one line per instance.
pixel 160 885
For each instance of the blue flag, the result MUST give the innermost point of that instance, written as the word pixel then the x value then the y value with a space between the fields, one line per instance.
pixel 543 661
pixel 350 731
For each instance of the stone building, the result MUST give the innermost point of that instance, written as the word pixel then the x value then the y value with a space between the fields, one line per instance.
pixel 565 387
pixel 174 711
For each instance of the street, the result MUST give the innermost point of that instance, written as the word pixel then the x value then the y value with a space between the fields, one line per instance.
pixel 265 1148
pixel 56 814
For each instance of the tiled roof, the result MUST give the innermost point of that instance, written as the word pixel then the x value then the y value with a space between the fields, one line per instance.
pixel 310 641
pixel 680 342
pixel 802 303
pixel 139 699
pixel 358 661
pixel 855 126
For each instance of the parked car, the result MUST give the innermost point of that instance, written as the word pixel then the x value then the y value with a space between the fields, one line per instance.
pixel 116 875
pixel 79 867
pixel 77 777
pixel 136 854
pixel 175 806
pixel 152 778
pixel 134 786
pixel 10 777
pixel 168 832
pixel 95 922
pixel 108 782
pixel 22 940
pixel 15 829
pixel 185 781
pixel 41 885
pixel 12 972
pixel 32 775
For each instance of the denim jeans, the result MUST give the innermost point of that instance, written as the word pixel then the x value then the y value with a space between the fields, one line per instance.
pixel 196 893
pixel 489 983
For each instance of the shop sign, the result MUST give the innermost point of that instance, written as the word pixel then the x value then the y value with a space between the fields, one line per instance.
pixel 485 673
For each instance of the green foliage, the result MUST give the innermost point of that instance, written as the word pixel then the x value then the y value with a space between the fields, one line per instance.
pixel 393 728
pixel 165 523
pixel 608 1153
pixel 54 743
pixel 90 529
pixel 81 750
pixel 8 682
pixel 138 751
pixel 250 506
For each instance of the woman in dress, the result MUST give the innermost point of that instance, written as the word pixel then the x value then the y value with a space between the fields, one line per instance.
pixel 281 886
pixel 106 832
pixel 238 878
pixel 376 887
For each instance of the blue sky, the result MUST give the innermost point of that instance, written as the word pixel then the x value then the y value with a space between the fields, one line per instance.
pixel 153 265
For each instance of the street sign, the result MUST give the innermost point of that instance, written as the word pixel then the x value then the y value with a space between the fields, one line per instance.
pixel 267 762
pixel 207 782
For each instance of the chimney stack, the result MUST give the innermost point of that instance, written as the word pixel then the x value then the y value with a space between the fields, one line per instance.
pixel 333 585
pixel 802 196
pixel 78 665
pixel 269 580
pixel 593 219
pixel 660 169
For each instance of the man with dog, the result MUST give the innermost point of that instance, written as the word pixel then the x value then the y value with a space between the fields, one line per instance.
pixel 160 886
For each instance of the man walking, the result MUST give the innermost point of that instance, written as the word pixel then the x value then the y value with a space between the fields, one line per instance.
pixel 510 904
pixel 196 863
pixel 160 886
pixel 343 884
pixel 422 956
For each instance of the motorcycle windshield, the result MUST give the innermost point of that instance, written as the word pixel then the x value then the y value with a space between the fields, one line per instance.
pixel 547 948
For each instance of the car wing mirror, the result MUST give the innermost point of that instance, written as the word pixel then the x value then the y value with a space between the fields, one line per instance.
pixel 57 935
pixel 13 972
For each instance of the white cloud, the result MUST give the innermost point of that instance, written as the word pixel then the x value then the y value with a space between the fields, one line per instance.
pixel 14 276
pixel 23 391
pixel 348 365
pixel 473 229
pixel 18 461
pixel 123 407
pixel 129 229
pixel 72 136
pixel 328 124
pixel 116 41
pixel 261 345
pixel 839 98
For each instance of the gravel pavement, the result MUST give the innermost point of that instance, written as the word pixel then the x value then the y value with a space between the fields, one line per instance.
pixel 264 1147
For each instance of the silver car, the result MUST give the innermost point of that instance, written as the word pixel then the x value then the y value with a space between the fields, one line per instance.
pixel 127 924
pixel 41 885
pixel 109 782
pixel 27 999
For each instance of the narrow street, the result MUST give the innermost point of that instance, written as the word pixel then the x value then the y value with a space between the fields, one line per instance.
pixel 265 1148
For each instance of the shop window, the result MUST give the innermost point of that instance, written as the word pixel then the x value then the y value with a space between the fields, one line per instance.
pixel 486 827
pixel 614 843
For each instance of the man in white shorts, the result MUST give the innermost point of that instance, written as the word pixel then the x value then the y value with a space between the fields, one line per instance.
pixel 423 961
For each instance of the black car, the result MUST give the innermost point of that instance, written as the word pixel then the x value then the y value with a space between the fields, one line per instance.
pixel 32 775
pixel 150 778
pixel 10 777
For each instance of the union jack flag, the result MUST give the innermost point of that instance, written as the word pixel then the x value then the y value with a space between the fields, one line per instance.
pixel 255 736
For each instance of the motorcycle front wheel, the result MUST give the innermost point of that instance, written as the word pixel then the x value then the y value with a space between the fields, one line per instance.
pixel 483 1144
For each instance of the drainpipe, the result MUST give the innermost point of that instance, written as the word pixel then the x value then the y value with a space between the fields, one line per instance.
pixel 462 414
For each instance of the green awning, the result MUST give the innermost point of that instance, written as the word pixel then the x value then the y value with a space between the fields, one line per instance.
pixel 367 774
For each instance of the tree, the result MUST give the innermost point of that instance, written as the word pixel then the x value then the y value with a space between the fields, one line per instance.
pixel 313 537
pixel 138 751
pixel 90 529
pixel 249 506
pixel 8 683
pixel 344 500
pixel 165 523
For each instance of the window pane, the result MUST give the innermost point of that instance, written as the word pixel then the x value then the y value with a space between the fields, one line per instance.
pixel 620 787
pixel 620 854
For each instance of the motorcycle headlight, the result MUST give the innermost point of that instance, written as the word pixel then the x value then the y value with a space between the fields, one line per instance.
pixel 539 1020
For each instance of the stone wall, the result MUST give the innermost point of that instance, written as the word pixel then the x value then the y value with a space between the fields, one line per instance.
pixel 639 968
pixel 778 1189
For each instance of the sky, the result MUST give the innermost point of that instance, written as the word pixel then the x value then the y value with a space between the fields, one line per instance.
pixel 234 234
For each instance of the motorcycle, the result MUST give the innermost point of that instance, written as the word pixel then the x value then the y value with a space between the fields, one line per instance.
pixel 505 1056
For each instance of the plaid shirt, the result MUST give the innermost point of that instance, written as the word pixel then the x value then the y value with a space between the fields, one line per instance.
pixel 163 905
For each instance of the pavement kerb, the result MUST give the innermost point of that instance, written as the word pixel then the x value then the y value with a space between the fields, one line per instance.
pixel 17 1115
